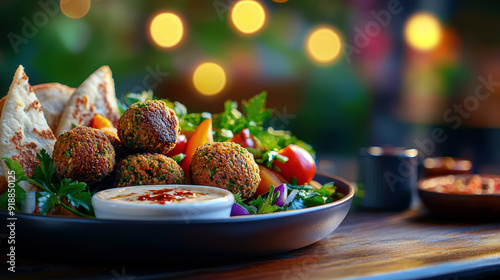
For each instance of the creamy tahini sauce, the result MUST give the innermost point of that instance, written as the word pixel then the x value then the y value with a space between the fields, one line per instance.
pixel 174 195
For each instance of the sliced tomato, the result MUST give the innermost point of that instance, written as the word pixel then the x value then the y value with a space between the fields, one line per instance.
pixel 246 140
pixel 300 164
pixel 203 134
pixel 180 147
pixel 268 178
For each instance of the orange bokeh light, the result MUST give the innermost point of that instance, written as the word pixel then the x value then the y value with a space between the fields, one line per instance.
pixel 74 8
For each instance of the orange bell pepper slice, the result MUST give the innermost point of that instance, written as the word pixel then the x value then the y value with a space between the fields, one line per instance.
pixel 203 134
pixel 99 121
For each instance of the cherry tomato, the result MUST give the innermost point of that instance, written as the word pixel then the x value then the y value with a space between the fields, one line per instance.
pixel 202 134
pixel 180 147
pixel 245 139
pixel 300 164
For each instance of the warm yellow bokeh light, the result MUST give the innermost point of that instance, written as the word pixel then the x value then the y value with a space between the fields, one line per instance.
pixel 74 8
pixel 323 45
pixel 423 31
pixel 248 16
pixel 166 30
pixel 209 78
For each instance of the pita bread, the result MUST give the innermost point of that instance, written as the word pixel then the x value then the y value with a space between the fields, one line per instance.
pixel 95 95
pixel 53 98
pixel 24 130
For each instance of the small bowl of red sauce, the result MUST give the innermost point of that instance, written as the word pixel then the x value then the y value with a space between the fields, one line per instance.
pixel 462 196
pixel 163 202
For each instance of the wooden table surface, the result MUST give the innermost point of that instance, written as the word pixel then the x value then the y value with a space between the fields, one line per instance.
pixel 373 245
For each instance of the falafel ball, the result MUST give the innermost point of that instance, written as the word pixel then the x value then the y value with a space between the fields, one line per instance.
pixel 148 169
pixel 149 126
pixel 84 154
pixel 225 165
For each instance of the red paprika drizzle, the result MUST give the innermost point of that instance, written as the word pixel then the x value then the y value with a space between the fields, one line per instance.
pixel 167 195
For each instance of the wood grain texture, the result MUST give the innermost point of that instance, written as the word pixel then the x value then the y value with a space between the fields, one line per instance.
pixel 377 245
pixel 370 244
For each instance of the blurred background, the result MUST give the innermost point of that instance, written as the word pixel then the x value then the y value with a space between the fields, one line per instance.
pixel 339 74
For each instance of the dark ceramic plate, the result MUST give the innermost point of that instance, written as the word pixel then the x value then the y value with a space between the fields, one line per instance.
pixel 178 241
pixel 471 206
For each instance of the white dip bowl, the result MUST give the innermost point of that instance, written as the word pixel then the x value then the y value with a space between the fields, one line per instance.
pixel 163 202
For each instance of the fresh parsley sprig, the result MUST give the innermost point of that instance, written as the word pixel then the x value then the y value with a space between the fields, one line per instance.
pixel 19 193
pixel 255 109
pixel 262 204
pixel 309 196
pixel 54 189
pixel 303 197
pixel 266 205
pixel 73 191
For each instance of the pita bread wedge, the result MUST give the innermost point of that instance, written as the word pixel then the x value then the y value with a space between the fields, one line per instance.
pixel 24 131
pixel 53 98
pixel 95 95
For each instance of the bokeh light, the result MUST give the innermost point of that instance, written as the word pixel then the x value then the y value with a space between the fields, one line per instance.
pixel 423 31
pixel 323 45
pixel 166 30
pixel 209 78
pixel 248 16
pixel 74 8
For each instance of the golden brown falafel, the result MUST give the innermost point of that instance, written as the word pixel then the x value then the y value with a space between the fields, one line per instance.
pixel 225 165
pixel 149 126
pixel 148 169
pixel 84 154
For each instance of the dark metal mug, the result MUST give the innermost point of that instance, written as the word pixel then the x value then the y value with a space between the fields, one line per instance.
pixel 388 177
